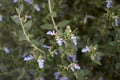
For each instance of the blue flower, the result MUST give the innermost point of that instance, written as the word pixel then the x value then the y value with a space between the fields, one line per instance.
pixel 6 50
pixel 1 18
pixel 41 63
pixel 28 1
pixel 86 49
pixel 27 58
pixel 74 39
pixel 75 67
pixel 73 58
pixel 59 41
pixel 108 5
pixel 57 74
pixel 37 8
pixel 116 22
pixel 28 17
pixel 14 1
pixel 42 78
pixel 51 33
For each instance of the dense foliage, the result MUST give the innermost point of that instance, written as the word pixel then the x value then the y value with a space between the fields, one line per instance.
pixel 59 40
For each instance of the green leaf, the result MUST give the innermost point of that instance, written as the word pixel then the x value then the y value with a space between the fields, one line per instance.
pixel 19 9
pixel 53 14
pixel 28 25
pixel 15 18
pixel 52 4
pixel 117 66
pixel 63 23
pixel 47 26
pixel 21 35
pixel 37 42
pixel 81 74
pixel 22 73
pixel 94 59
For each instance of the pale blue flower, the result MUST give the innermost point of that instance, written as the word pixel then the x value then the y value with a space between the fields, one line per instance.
pixel 46 46
pixel 1 18
pixel 42 78
pixel 41 63
pixel 56 75
pixel 37 8
pixel 109 2
pixel 74 39
pixel 68 58
pixel 51 33
pixel 55 52
pixel 63 78
pixel 27 58
pixel 59 41
pixel 6 50
pixel 28 17
pixel 28 1
pixel 89 16
pixel 14 1
pixel 75 67
pixel 73 58
pixel 86 49
pixel 116 22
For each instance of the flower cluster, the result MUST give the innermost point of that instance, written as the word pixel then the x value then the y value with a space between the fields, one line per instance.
pixel 74 67
pixel 73 58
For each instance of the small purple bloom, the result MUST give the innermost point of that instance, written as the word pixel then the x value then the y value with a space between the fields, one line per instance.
pixel 27 58
pixel 59 41
pixel 46 46
pixel 6 50
pixel 37 8
pixel 86 49
pixel 14 1
pixel 68 58
pixel 89 16
pixel 41 63
pixel 55 52
pixel 1 18
pixel 116 22
pixel 108 5
pixel 29 17
pixel 74 58
pixel 28 1
pixel 42 78
pixel 75 67
pixel 51 33
pixel 57 74
pixel 74 39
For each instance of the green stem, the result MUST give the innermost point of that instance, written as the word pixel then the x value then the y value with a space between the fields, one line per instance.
pixel 28 39
pixel 53 21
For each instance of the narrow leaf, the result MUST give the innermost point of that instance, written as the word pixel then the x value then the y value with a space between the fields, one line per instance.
pixel 63 23
pixel 47 26
pixel 28 25
pixel 15 19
